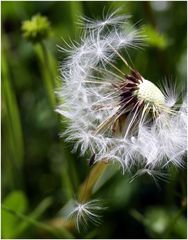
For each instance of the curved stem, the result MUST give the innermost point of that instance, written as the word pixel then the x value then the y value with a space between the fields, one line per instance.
pixel 86 188
pixel 84 194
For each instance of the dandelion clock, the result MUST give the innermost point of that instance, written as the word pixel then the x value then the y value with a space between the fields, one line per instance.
pixel 118 115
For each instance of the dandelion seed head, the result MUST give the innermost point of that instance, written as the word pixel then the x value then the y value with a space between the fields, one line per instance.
pixel 119 116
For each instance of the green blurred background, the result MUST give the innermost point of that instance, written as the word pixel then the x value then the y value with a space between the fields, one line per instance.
pixel 39 172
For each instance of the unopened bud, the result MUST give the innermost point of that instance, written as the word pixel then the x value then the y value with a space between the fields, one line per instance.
pixel 36 29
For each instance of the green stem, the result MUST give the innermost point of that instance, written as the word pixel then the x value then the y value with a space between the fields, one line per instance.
pixel 12 123
pixel 35 214
pixel 47 61
pixel 40 225
pixel 84 194
pixel 138 216
pixel 46 71
pixel 86 188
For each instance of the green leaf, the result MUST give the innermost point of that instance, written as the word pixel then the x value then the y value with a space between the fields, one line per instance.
pixel 37 212
pixel 180 228
pixel 154 38
pixel 53 231
pixel 13 146
pixel 165 223
pixel 17 201
pixel 157 220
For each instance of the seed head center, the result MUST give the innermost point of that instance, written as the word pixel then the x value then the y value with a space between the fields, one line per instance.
pixel 149 92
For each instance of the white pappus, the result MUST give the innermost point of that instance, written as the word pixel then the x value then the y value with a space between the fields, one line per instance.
pixel 117 116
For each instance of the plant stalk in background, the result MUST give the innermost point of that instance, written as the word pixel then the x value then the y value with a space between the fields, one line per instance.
pixel 36 31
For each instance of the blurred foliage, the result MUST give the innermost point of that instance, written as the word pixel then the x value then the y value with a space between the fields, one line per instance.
pixel 40 174
pixel 18 201
pixel 154 38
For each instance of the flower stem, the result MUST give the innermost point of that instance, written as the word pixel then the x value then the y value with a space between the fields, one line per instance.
pixel 46 70
pixel 86 188
pixel 84 194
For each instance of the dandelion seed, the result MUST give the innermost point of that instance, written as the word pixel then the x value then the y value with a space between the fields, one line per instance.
pixel 115 115
pixel 85 213
pixel 109 19
pixel 154 174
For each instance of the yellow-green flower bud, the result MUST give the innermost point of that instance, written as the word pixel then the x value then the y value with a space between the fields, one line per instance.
pixel 36 29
